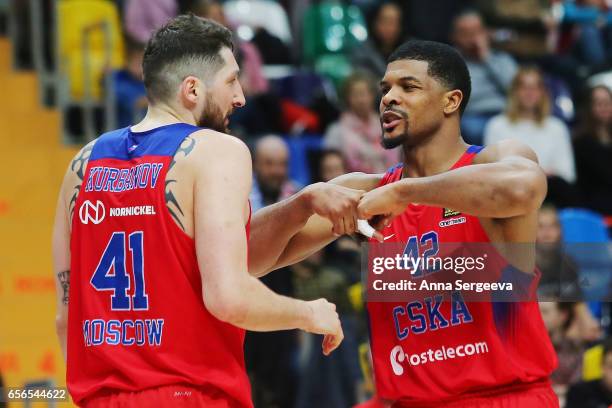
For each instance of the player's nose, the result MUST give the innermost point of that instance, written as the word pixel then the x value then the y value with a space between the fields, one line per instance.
pixel 239 99
pixel 390 98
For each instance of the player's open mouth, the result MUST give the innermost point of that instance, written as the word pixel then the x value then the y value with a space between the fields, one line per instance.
pixel 390 120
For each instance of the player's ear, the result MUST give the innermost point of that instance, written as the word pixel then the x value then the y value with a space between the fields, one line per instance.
pixel 191 89
pixel 452 101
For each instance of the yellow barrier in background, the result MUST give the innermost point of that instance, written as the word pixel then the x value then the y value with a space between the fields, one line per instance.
pixel 33 163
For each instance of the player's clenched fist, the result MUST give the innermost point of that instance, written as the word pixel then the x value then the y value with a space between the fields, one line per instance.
pixel 385 202
pixel 336 203
pixel 325 320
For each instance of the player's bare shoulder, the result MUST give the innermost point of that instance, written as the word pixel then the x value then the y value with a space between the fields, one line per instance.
pixel 504 149
pixel 194 158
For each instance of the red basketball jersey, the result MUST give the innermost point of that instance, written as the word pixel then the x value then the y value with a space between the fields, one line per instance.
pixel 136 316
pixel 431 350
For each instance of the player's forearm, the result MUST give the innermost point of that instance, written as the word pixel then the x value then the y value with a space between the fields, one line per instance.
pixel 497 190
pixel 61 328
pixel 272 228
pixel 306 243
pixel 252 306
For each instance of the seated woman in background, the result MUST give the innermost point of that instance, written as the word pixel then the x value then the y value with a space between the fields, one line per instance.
pixel 385 35
pixel 528 119
pixel 593 147
pixel 357 134
pixel 558 317
pixel 559 276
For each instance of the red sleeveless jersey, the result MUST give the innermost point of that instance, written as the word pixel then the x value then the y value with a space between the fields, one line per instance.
pixel 429 351
pixel 136 317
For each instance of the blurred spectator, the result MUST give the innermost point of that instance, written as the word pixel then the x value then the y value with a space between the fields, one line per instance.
pixel 142 17
pixel 431 20
pixel 271 358
pixel 528 119
pixel 273 50
pixel 327 381
pixel 357 134
pixel 332 381
pixel 560 279
pixel 558 317
pixel 593 148
pixel 262 111
pixel 331 164
pixel 251 75
pixel 597 393
pixel 593 34
pixel 130 95
pixel 491 73
pixel 559 271
pixel 385 35
pixel 270 167
pixel 524 28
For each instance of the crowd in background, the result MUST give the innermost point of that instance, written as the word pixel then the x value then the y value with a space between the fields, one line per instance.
pixel 540 74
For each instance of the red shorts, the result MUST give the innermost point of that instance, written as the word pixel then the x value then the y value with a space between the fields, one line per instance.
pixel 539 395
pixel 178 395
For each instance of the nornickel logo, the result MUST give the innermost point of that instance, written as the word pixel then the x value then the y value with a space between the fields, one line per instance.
pixel 93 213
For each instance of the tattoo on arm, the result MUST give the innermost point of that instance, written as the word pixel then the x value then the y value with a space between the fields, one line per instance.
pixel 64 280
pixel 78 166
pixel 171 199
pixel 184 149
pixel 171 202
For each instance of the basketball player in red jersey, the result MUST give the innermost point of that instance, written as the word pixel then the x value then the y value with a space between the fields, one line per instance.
pixel 150 241
pixel 445 351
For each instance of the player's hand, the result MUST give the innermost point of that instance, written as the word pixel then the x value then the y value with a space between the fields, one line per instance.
pixel 383 204
pixel 336 203
pixel 325 320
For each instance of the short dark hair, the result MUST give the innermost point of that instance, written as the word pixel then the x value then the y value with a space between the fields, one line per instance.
pixel 445 64
pixel 177 49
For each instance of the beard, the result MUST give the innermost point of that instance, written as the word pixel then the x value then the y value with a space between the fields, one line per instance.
pixel 212 117
pixel 389 143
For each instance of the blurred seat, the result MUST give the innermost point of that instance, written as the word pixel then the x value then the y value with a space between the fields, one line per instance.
pixel 592 363
pixel 331 27
pixel 336 67
pixel 299 86
pixel 580 225
pixel 586 240
pixel 299 149
pixel 90 43
pixel 258 13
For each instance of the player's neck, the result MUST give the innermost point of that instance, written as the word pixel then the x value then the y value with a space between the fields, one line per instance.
pixel 161 115
pixel 435 155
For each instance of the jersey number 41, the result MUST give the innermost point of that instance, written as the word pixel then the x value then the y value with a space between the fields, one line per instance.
pixel 118 283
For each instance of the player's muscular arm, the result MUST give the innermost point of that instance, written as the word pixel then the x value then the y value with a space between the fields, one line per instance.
pixel 61 238
pixel 505 181
pixel 272 227
pixel 318 231
pixel 229 292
